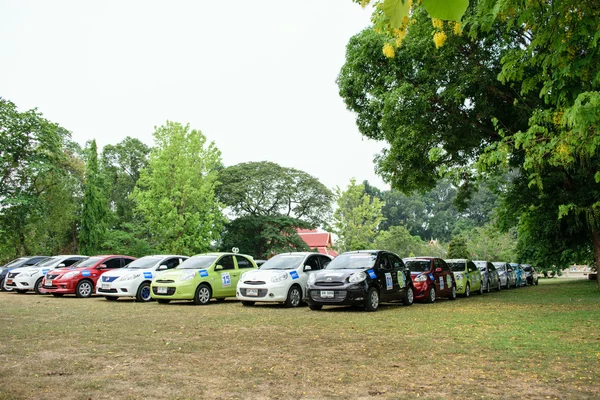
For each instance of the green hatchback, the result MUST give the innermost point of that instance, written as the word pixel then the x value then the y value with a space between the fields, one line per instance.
pixel 202 277
pixel 467 276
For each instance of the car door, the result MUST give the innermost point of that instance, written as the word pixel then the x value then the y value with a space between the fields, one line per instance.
pixel 495 279
pixel 439 278
pixel 448 276
pixel 400 277
pixel 312 263
pixel 389 279
pixel 474 276
pixel 225 269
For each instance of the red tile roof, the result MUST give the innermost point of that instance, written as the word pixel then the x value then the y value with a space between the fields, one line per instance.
pixel 320 241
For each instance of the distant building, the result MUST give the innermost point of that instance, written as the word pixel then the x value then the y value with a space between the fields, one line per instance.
pixel 320 241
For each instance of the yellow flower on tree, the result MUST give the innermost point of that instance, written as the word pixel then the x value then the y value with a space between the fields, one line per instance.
pixel 388 50
pixel 439 39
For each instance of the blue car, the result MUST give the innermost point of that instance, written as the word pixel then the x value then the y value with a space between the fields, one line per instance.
pixel 520 275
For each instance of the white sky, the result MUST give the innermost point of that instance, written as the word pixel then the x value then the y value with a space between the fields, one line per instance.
pixel 256 77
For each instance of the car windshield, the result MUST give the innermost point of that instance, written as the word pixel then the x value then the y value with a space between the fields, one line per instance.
pixel 283 261
pixel 499 266
pixel 353 261
pixel 481 265
pixel 418 265
pixel 144 262
pixel 528 269
pixel 48 262
pixel 87 263
pixel 197 262
pixel 456 266
pixel 15 262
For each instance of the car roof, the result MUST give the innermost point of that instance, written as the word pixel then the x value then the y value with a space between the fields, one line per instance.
pixel 456 260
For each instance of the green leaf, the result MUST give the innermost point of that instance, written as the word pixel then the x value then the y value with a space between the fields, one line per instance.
pixel 395 10
pixel 449 10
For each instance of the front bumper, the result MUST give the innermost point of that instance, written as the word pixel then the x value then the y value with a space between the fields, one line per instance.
pixel 60 286
pixel 277 292
pixel 24 283
pixel 350 294
pixel 118 289
pixel 174 290
pixel 421 290
pixel 461 285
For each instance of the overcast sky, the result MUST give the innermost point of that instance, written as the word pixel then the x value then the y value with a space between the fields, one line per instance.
pixel 256 77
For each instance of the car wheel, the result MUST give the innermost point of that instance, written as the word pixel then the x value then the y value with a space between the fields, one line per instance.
pixel 372 300
pixel 163 301
pixel 6 288
pixel 453 295
pixel 536 281
pixel 481 287
pixel 467 290
pixel 247 303
pixel 57 294
pixel 499 288
pixel 21 291
pixel 203 294
pixel 431 297
pixel 409 297
pixel 111 298
pixel 84 288
pixel 294 297
pixel 315 307
pixel 143 293
pixel 489 287
pixel 38 286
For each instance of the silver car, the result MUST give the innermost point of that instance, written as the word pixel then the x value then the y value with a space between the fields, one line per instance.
pixel 508 277
pixel 489 275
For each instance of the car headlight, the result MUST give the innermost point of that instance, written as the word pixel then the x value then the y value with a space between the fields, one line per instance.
pixel 421 278
pixel 357 277
pixel 130 277
pixel 282 276
pixel 243 277
pixel 458 277
pixel 312 278
pixel 188 276
pixel 70 275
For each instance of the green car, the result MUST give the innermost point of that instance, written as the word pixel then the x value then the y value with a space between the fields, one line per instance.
pixel 202 277
pixel 467 276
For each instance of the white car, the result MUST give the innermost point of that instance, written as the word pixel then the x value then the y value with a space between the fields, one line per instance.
pixel 134 280
pixel 281 279
pixel 30 278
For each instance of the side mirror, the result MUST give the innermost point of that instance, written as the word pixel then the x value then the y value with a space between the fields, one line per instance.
pixel 438 270
pixel 161 267
pixel 61 265
pixel 218 267
pixel 307 268
pixel 102 266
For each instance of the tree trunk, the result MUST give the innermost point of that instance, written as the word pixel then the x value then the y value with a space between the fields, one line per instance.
pixel 596 241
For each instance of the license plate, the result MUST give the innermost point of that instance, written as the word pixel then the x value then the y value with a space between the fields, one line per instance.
pixel 251 292
pixel 105 286
pixel 9 281
pixel 327 294
pixel 48 282
pixel 161 290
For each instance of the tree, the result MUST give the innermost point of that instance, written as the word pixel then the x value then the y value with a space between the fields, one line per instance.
pixel 399 240
pixel 457 248
pixel 357 218
pixel 488 243
pixel 175 194
pixel 95 208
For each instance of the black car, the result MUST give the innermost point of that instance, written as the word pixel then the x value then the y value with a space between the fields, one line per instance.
pixel 365 277
pixel 18 263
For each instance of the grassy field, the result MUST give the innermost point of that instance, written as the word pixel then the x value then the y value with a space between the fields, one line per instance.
pixel 536 342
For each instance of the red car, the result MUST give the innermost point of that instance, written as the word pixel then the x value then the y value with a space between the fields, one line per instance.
pixel 432 278
pixel 82 277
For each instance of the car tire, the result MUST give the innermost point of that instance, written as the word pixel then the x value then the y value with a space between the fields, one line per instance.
pixel 21 291
pixel 481 287
pixel 315 307
pixel 38 286
pixel 372 300
pixel 536 281
pixel 453 295
pixel 202 295
pixel 247 303
pixel 489 286
pixel 143 293
pixel 409 296
pixel 6 288
pixel 294 297
pixel 84 289
pixel 111 298
pixel 467 290
pixel 163 301
pixel 57 294
pixel 431 295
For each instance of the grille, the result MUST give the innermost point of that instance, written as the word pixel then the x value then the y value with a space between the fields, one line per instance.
pixel 332 283
pixel 261 292
pixel 50 287
pixel 109 278
pixel 13 274
pixel 165 281
pixel 338 295
pixel 255 282
pixel 107 290
pixel 48 276
pixel 170 291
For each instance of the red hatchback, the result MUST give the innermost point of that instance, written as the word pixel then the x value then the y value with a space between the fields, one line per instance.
pixel 432 278
pixel 82 277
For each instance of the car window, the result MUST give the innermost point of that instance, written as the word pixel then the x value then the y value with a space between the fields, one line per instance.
pixel 323 261
pixel 243 262
pixel 396 261
pixel 172 262
pixel 444 265
pixel 384 262
pixel 70 261
pixel 491 267
pixel 418 265
pixel 313 262
pixel 471 267
pixel 226 262
pixel 112 263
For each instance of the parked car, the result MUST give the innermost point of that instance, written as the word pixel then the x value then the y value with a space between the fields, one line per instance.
pixel 490 276
pixel 134 280
pixel 519 275
pixel 14 264
pixel 506 274
pixel 202 277
pixel 467 276
pixel 282 279
pixel 30 278
pixel 531 275
pixel 365 277
pixel 432 278
pixel 81 280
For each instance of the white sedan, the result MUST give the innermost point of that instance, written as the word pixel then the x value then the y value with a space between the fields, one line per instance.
pixel 134 280
pixel 30 278
pixel 281 279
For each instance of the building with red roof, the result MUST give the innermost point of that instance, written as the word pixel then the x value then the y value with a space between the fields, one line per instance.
pixel 320 241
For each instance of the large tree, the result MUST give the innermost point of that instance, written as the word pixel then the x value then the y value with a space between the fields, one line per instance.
pixel 175 194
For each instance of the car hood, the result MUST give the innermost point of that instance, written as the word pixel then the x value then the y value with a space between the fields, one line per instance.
pixel 338 275
pixel 176 273
pixel 264 275
pixel 126 271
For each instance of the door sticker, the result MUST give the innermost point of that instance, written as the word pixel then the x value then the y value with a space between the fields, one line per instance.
pixel 401 280
pixel 203 273
pixel 85 273
pixel 294 275
pixel 449 280
pixel 372 274
pixel 388 281
pixel 147 275
pixel 441 282
pixel 226 279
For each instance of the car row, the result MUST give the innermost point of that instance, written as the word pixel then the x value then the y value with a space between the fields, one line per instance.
pixel 365 278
